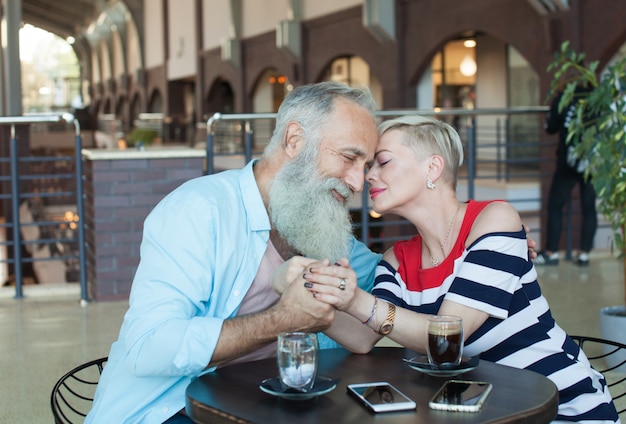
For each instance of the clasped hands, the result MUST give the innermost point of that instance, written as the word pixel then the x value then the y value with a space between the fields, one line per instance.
pixel 334 284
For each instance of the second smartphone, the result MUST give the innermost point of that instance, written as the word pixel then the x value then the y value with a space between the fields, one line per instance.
pixel 460 395
pixel 381 397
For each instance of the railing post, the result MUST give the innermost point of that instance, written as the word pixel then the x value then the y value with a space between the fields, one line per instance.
pixel 80 208
pixel 471 158
pixel 210 139
pixel 15 207
pixel 498 149
pixel 248 141
pixel 507 139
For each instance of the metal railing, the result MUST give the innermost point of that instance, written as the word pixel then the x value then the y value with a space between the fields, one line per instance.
pixel 501 145
pixel 69 244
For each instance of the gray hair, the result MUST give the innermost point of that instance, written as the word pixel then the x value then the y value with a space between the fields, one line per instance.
pixel 309 105
pixel 428 136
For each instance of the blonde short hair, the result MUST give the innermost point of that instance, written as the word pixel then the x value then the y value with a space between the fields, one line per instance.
pixel 428 136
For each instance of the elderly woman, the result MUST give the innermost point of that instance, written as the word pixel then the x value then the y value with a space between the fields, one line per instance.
pixel 469 259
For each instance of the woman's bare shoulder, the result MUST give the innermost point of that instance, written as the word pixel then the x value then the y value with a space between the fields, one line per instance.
pixel 497 216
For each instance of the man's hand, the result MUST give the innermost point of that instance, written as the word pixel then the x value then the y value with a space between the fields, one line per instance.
pixel 289 271
pixel 300 310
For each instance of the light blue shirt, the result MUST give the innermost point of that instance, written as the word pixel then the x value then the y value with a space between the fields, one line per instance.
pixel 201 249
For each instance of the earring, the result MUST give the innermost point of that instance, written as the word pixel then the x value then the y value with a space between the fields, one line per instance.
pixel 430 184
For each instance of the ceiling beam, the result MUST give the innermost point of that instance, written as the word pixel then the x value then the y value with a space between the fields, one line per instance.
pixel 59 17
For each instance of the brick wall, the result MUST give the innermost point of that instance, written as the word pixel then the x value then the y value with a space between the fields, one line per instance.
pixel 119 194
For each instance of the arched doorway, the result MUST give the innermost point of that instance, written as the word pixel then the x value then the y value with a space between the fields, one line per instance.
pixel 220 98
pixel 106 107
pixel 121 114
pixel 355 72
pixel 135 109
pixel 476 70
pixel 270 90
pixel 155 104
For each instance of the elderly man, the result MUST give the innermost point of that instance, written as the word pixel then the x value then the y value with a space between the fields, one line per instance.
pixel 202 296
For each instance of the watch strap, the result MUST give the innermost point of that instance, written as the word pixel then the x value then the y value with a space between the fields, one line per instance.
pixel 391 316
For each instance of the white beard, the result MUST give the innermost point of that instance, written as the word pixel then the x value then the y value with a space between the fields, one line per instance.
pixel 307 215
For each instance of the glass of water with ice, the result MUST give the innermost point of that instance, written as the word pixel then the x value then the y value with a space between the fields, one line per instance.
pixel 297 360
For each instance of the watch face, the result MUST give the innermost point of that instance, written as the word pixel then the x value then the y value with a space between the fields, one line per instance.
pixel 386 328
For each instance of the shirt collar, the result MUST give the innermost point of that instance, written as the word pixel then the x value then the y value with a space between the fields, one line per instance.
pixel 252 200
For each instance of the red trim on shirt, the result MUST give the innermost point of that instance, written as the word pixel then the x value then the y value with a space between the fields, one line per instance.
pixel 409 254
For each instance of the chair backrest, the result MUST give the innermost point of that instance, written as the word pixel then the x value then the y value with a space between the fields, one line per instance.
pixel 609 358
pixel 73 393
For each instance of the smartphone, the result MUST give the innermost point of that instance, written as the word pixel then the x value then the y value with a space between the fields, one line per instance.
pixel 381 397
pixel 459 395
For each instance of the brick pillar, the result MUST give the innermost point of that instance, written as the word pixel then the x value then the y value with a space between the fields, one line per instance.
pixel 121 188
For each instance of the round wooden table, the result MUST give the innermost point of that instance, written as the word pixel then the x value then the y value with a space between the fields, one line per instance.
pixel 232 394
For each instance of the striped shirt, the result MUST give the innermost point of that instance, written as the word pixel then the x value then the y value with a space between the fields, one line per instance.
pixel 495 275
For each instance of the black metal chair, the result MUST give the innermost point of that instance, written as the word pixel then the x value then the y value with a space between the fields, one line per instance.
pixel 606 356
pixel 73 393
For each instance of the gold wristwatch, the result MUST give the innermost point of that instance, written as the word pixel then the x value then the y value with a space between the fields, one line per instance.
pixel 387 325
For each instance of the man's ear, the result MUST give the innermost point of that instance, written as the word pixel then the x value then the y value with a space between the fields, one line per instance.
pixel 293 140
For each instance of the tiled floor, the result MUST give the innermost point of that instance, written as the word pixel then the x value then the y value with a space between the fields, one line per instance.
pixel 49 332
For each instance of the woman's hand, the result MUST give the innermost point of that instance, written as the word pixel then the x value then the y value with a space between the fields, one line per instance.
pixel 334 284
pixel 290 271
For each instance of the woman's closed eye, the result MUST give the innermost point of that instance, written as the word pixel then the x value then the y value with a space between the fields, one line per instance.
pixel 383 158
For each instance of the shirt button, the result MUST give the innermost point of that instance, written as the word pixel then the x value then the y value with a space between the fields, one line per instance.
pixel 236 293
pixel 166 409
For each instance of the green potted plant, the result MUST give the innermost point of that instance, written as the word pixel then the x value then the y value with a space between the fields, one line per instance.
pixel 597 130
pixel 141 135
